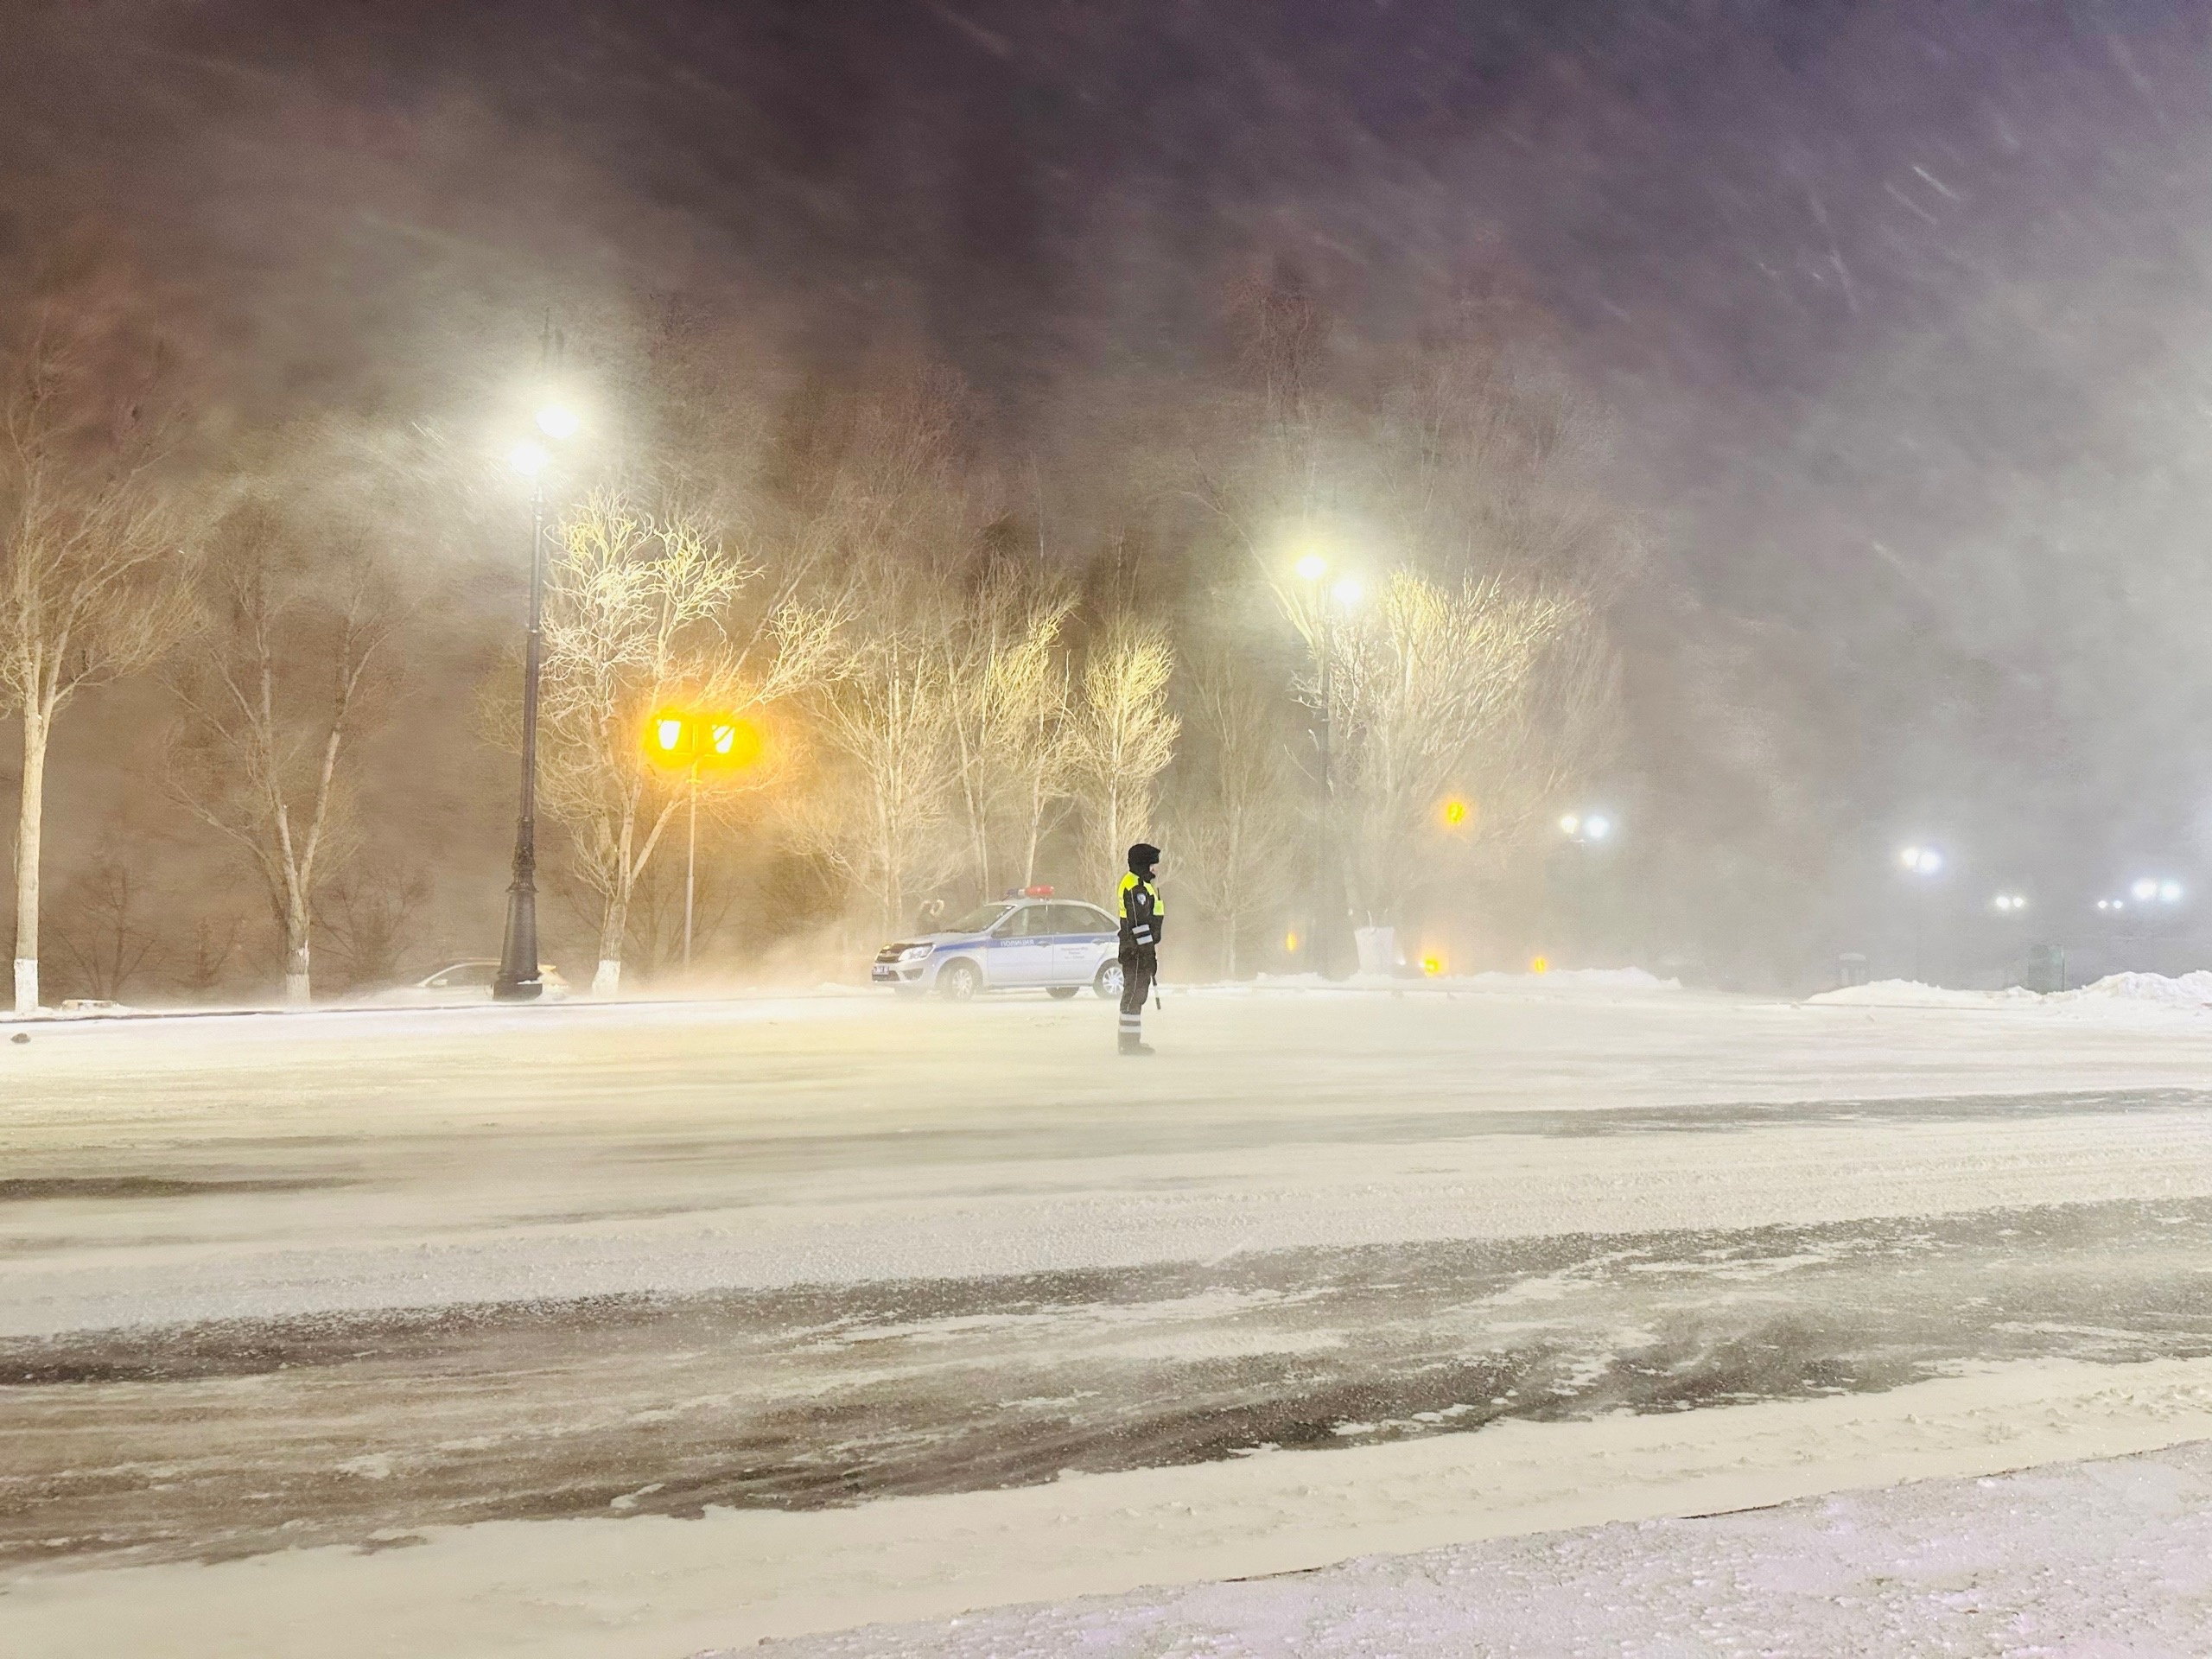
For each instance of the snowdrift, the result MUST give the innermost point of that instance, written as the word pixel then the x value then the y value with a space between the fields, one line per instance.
pixel 1560 979
pixel 2122 995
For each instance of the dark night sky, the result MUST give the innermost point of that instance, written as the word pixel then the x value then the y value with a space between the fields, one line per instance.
pixel 1900 309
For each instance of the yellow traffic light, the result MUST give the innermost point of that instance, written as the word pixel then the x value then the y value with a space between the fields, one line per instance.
pixel 1456 812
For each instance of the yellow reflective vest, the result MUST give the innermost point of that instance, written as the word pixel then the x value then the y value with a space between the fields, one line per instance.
pixel 1141 913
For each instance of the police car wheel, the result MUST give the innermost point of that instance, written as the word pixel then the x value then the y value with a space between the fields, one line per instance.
pixel 1061 992
pixel 959 981
pixel 1109 982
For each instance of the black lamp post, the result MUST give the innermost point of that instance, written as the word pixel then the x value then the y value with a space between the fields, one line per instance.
pixel 519 979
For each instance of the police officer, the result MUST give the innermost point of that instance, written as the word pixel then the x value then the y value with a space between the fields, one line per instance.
pixel 1140 948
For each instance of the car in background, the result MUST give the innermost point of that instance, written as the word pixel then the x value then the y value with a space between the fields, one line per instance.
pixel 467 982
pixel 1035 943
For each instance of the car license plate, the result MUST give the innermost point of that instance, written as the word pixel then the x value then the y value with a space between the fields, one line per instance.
pixel 882 971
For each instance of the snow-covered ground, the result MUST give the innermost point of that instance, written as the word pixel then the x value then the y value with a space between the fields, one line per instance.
pixel 649 1329
pixel 2106 1558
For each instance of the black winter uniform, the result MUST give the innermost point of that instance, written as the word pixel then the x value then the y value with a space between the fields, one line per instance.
pixel 1143 920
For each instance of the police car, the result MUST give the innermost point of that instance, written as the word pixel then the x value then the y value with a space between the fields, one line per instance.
pixel 1032 942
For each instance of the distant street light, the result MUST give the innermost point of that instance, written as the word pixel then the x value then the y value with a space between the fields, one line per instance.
pixel 1583 828
pixel 1344 595
pixel 2152 889
pixel 1926 863
pixel 517 980
pixel 2009 902
pixel 682 739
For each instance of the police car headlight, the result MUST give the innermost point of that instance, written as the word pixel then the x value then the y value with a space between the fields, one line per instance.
pixel 915 952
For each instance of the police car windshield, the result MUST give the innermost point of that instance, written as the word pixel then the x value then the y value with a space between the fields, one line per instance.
pixel 980 919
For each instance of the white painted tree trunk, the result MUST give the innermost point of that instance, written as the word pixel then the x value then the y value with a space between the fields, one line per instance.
pixel 298 988
pixel 607 978
pixel 30 815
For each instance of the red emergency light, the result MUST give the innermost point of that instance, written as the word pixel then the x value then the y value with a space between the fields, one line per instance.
pixel 1036 893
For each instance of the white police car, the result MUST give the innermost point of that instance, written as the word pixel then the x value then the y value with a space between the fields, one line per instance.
pixel 1043 944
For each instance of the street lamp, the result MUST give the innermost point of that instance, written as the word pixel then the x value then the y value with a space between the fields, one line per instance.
pixel 680 740
pixel 1583 828
pixel 1926 863
pixel 517 980
pixel 2010 902
pixel 1345 594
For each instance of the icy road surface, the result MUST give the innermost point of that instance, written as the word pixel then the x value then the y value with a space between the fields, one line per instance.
pixel 391 1283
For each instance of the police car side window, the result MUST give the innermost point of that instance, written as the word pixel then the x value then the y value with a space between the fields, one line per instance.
pixel 1081 918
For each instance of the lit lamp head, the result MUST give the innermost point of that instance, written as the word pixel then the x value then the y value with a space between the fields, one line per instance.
pixel 730 742
pixel 1347 592
pixel 671 739
pixel 1312 568
pixel 556 422
pixel 528 458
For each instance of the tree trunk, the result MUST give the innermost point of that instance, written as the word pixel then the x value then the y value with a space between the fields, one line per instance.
pixel 298 989
pixel 31 814
pixel 614 920
pixel 606 979
pixel 1036 829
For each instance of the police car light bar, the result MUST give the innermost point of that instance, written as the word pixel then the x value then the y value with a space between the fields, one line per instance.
pixel 1036 893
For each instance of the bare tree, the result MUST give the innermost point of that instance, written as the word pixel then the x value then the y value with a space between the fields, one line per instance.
pixel 1041 753
pixel 214 943
pixel 1124 738
pixel 1007 717
pixel 104 928
pixel 1427 680
pixel 274 701
pixel 368 915
pixel 889 724
pixel 91 576
pixel 1234 822
pixel 646 612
